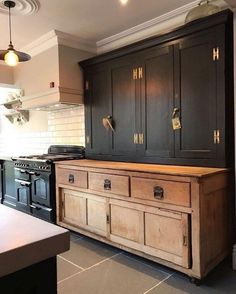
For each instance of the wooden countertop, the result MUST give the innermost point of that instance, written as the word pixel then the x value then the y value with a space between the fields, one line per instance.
pixel 25 240
pixel 141 167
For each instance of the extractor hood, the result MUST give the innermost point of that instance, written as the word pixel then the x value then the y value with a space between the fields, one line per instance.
pixel 54 99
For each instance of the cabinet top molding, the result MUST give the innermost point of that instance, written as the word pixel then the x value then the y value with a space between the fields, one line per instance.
pixel 225 16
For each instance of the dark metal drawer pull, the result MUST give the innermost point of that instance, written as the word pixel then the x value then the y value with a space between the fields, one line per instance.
pixel 71 179
pixel 158 192
pixel 107 184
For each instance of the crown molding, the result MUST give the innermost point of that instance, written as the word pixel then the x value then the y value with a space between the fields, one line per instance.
pixel 149 28
pixel 54 38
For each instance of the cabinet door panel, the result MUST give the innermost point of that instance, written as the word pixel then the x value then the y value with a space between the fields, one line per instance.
pixel 158 101
pixel 196 100
pixel 97 107
pixel 97 211
pixel 125 223
pixel 124 106
pixel 166 236
pixel 74 208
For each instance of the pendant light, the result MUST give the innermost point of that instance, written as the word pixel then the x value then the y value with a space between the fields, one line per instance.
pixel 11 56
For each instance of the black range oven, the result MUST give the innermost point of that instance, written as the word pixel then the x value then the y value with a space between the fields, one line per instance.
pixel 35 180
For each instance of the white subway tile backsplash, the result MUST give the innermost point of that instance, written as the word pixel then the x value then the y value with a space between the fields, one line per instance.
pixel 64 127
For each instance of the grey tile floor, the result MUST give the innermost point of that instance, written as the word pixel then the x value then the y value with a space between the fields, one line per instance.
pixel 91 267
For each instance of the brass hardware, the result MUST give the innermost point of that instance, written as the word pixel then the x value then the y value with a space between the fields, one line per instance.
pixel 176 124
pixel 107 123
pixel 185 240
pixel 135 138
pixel 107 184
pixel 214 136
pixel 62 204
pixel 218 136
pixel 140 72
pixel 87 139
pixel 216 53
pixel 135 74
pixel 86 85
pixel 158 192
pixel 71 179
pixel 108 219
pixel 140 138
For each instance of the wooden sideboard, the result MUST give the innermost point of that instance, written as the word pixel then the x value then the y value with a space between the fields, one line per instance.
pixel 178 216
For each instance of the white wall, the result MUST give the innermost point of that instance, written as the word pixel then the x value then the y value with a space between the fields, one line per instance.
pixel 61 127
pixel 6 74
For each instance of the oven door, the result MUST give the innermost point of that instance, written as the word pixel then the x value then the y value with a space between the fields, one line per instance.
pixel 41 188
pixel 22 174
pixel 43 212
pixel 23 195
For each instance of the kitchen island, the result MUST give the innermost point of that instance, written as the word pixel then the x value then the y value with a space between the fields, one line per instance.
pixel 28 249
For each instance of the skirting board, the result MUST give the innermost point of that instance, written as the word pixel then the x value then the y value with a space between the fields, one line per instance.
pixel 234 257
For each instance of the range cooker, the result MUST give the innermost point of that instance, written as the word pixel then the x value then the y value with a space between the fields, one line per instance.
pixel 35 180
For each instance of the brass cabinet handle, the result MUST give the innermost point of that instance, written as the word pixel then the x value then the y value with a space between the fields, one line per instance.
pixel 158 192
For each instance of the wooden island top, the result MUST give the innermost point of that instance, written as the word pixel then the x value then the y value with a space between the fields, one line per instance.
pixel 141 167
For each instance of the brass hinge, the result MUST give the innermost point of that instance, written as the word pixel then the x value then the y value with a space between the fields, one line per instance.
pixel 140 72
pixel 62 204
pixel 135 138
pixel 215 137
pixel 185 240
pixel 135 74
pixel 87 140
pixel 86 85
pixel 216 53
pixel 108 219
pixel 218 136
pixel 140 138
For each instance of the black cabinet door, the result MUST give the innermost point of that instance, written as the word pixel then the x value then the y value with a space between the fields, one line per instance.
pixel 125 105
pixel 97 107
pixel 195 96
pixel 9 190
pixel 157 101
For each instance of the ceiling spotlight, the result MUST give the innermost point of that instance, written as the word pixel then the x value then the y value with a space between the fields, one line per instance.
pixel 123 2
pixel 11 56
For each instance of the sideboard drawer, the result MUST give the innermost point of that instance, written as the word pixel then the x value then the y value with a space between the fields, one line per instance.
pixel 171 192
pixel 114 184
pixel 72 177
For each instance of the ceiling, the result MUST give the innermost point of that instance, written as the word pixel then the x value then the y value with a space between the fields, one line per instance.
pixel 87 19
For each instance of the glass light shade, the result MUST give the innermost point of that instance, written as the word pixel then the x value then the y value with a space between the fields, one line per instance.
pixel 203 9
pixel 11 58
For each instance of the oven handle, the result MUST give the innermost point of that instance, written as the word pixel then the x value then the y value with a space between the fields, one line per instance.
pixel 23 183
pixel 38 207
pixel 34 173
